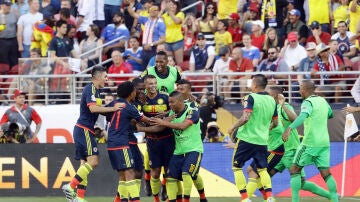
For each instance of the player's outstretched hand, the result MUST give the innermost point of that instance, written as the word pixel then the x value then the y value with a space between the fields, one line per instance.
pixel 286 134
pixel 229 145
pixel 281 99
pixel 158 121
pixel 349 109
pixel 118 106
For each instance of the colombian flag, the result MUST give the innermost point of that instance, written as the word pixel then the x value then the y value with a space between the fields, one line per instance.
pixel 42 35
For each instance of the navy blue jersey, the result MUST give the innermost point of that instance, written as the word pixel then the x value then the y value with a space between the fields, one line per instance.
pixel 155 106
pixel 132 137
pixel 90 96
pixel 120 124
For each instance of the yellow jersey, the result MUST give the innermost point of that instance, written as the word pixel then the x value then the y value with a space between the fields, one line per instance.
pixel 173 30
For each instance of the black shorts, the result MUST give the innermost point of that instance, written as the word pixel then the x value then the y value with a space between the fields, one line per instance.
pixel 273 158
pixel 160 151
pixel 244 151
pixel 185 163
pixel 138 158
pixel 85 143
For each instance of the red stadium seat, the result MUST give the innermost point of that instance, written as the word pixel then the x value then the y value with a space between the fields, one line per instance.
pixel 4 68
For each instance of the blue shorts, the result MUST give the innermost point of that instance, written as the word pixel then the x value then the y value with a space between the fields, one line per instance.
pixel 85 143
pixel 160 151
pixel 185 163
pixel 121 159
pixel 244 151
pixel 138 159
pixel 273 158
pixel 174 46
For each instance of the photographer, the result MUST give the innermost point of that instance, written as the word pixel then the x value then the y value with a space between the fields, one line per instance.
pixel 12 133
pixel 208 104
pixel 214 135
pixel 23 115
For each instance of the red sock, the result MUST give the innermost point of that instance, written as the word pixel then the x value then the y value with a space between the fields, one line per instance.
pixel 263 193
pixel 244 195
pixel 156 198
pixel 81 192
pixel 147 176
pixel 268 194
pixel 74 183
pixel 117 199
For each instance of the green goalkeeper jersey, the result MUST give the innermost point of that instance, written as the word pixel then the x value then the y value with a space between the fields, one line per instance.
pixel 262 108
pixel 293 140
pixel 275 136
pixel 187 140
pixel 316 132
pixel 165 83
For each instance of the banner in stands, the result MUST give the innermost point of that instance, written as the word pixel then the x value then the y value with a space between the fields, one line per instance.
pixel 41 170
pixel 59 121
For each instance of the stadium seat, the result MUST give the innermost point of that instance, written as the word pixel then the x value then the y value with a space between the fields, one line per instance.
pixel 4 68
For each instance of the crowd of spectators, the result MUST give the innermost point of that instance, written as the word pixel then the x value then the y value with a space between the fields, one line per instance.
pixel 231 36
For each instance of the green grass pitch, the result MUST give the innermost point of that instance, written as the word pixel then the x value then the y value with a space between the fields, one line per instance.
pixel 148 199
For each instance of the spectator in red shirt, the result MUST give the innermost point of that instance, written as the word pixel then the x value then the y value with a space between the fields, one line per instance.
pixel 119 66
pixel 257 36
pixel 235 29
pixel 318 36
pixel 239 64
pixel 329 84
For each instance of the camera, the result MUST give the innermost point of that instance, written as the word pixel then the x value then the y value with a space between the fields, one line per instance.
pixel 15 130
pixel 125 57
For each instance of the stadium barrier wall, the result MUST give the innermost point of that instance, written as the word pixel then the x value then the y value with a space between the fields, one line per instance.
pixel 41 170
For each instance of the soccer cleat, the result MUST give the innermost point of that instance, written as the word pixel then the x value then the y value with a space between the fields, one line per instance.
pixel 203 200
pixel 163 193
pixel 69 192
pixel 77 199
pixel 245 200
pixel 147 188
pixel 270 199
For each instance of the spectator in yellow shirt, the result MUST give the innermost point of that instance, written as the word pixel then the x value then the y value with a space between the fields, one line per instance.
pixel 174 39
pixel 222 37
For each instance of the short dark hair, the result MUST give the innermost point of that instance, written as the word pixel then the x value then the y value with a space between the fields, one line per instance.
pixel 97 70
pixel 277 89
pixel 60 23
pixel 226 23
pixel 137 81
pixel 176 94
pixel 342 21
pixel 134 37
pixel 125 89
pixel 184 81
pixel 65 12
pixel 149 76
pixel 260 80
pixel 163 53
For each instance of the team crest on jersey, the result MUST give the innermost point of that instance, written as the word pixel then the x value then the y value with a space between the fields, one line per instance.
pixel 192 168
pixel 160 101
pixel 95 149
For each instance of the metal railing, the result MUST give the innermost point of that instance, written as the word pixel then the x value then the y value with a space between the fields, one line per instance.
pixel 225 84
pixel 195 4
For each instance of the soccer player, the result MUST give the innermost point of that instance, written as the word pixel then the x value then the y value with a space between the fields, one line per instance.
pixel 286 115
pixel 275 153
pixel 184 87
pixel 138 160
pixel 259 115
pixel 120 153
pixel 315 147
pixel 185 162
pixel 166 76
pixel 160 145
pixel 85 144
